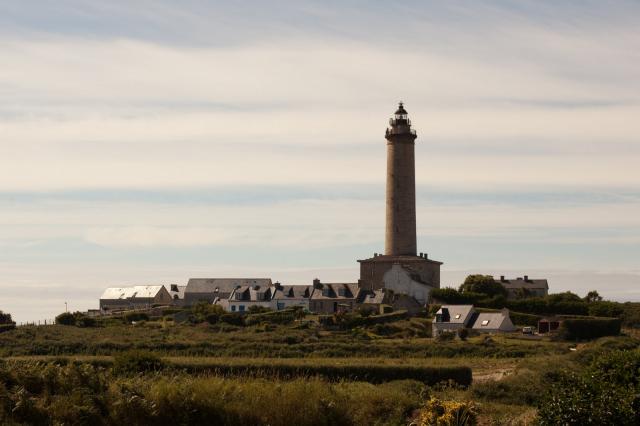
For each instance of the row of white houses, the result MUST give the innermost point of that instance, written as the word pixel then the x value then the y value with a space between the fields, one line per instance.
pixel 238 295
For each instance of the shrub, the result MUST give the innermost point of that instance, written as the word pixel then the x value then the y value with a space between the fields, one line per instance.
pixel 589 328
pixel 285 316
pixel 233 319
pixel 446 336
pixel 607 393
pixel 85 321
pixel 463 333
pixel 605 309
pixel 449 413
pixel 66 318
pixel 7 327
pixel 135 317
pixel 453 296
pixel 5 318
pixel 518 318
pixel 136 361
pixel 484 284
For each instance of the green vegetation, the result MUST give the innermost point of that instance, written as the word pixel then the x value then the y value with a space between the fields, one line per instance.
pixel 397 339
pixel 37 394
pixel 607 392
pixel 589 328
pixel 207 366
pixel 484 284
pixel 6 322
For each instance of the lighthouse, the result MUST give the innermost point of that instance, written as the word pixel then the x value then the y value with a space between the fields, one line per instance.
pixel 401 268
pixel 400 237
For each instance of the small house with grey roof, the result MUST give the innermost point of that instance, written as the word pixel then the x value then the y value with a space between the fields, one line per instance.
pixel 214 289
pixel 521 288
pixel 329 298
pixel 285 296
pixel 136 297
pixel 451 318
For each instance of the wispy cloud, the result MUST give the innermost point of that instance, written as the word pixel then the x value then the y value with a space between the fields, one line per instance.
pixel 143 141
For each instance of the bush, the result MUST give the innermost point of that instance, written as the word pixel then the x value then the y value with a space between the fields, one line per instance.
pixel 233 319
pixel 135 317
pixel 85 321
pixel 7 327
pixel 463 333
pixel 446 336
pixel 606 309
pixel 285 316
pixel 607 393
pixel 518 318
pixel 136 361
pixel 589 328
pixel 5 318
pixel 484 284
pixel 66 318
pixel 454 413
pixel 454 297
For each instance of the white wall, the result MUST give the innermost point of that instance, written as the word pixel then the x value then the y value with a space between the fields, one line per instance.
pixel 399 280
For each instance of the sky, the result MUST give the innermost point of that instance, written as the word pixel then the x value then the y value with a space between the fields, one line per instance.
pixel 146 142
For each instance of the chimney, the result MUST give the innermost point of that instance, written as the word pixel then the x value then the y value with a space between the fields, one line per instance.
pixel 316 283
pixel 277 284
pixel 174 287
pixel 421 254
pixel 426 256
pixel 501 278
pixel 375 254
pixel 526 278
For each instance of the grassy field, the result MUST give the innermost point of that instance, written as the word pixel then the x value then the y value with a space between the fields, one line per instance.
pixel 263 374
pixel 404 340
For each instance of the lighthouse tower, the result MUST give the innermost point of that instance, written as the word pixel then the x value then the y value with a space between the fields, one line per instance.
pixel 400 238
pixel 401 269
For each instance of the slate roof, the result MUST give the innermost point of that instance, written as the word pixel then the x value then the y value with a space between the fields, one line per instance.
pixel 458 314
pixel 375 297
pixel 491 320
pixel 521 283
pixel 292 292
pixel 179 293
pixel 333 291
pixel 137 292
pixel 117 293
pixel 224 285
pixel 250 293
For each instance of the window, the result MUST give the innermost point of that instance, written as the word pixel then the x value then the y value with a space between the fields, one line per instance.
pixel 233 308
pixel 241 307
pixel 342 292
pixel 485 323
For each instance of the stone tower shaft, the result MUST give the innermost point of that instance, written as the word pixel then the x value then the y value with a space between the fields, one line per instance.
pixel 400 237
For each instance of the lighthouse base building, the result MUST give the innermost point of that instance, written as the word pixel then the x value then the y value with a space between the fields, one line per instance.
pixel 400 269
pixel 414 276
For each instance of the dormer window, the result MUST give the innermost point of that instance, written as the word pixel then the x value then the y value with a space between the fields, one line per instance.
pixel 325 292
pixel 342 292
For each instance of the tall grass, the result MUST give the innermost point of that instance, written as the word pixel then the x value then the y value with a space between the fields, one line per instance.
pixel 33 393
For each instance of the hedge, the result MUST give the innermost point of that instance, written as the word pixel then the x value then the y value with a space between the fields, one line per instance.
pixel 589 328
pixel 367 373
pixel 518 318
pixel 7 327
pixel 275 317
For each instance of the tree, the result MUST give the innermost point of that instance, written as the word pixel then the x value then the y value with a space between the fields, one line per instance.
pixel 593 296
pixel 484 284
pixel 5 318
pixel 66 318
